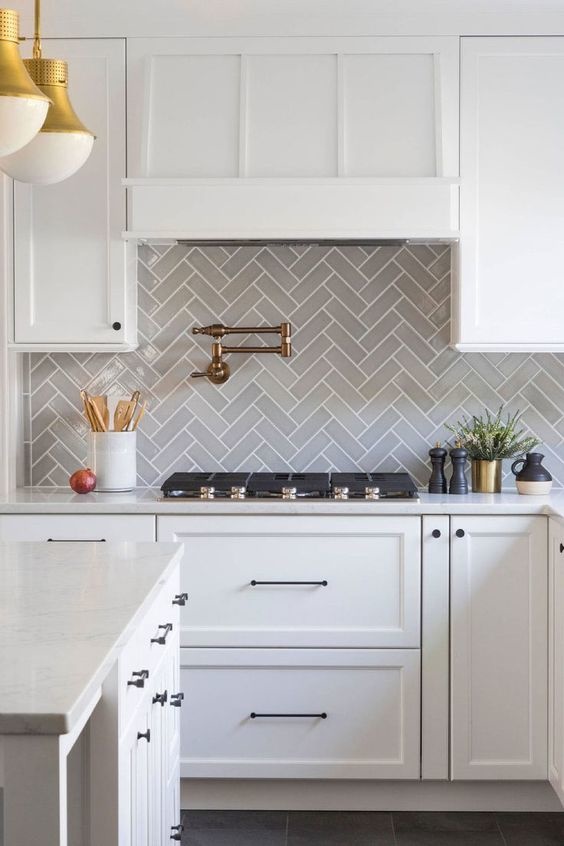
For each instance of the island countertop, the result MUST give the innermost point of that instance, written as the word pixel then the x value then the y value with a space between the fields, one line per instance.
pixel 65 612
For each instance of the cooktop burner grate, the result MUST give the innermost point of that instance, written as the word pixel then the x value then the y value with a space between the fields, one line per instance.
pixel 390 485
pixel 314 485
pixel 187 485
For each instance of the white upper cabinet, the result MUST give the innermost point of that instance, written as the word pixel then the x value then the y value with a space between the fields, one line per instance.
pixel 511 295
pixel 293 137
pixel 70 263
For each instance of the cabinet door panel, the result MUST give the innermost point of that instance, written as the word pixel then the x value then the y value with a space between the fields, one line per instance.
pixel 512 193
pixel 371 567
pixel 556 658
pixel 75 527
pixel 499 647
pixel 70 260
pixel 371 699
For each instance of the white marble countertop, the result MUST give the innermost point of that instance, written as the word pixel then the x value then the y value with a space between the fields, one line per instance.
pixel 149 501
pixel 65 612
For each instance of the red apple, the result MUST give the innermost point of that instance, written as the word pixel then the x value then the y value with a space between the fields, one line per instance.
pixel 83 481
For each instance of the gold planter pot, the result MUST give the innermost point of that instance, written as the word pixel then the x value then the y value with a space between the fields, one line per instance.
pixel 486 476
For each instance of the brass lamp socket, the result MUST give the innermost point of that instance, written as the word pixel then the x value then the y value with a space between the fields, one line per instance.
pixel 52 77
pixel 15 80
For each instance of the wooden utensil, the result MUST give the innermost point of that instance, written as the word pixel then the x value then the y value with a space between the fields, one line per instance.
pixel 97 416
pixel 87 411
pixel 122 408
pixel 133 403
pixel 101 404
pixel 139 417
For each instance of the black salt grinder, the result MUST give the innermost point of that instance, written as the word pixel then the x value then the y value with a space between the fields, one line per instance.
pixel 438 482
pixel 458 457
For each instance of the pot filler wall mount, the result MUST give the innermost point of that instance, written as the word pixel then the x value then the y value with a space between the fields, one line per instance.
pixel 218 370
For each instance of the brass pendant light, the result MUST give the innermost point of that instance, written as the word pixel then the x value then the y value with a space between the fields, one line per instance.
pixel 63 143
pixel 22 105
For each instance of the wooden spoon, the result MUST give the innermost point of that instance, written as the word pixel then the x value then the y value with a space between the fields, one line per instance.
pixel 101 404
pixel 139 417
pixel 97 416
pixel 87 412
pixel 120 414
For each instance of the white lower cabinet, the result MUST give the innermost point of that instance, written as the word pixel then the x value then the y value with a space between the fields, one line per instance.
pixel 77 527
pixel 556 658
pixel 314 581
pixel 499 647
pixel 317 713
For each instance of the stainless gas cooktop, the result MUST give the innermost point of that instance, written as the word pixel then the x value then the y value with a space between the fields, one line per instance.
pixel 339 486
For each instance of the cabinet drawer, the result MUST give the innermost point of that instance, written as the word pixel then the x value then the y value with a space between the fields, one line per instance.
pixel 370 698
pixel 343 582
pixel 77 527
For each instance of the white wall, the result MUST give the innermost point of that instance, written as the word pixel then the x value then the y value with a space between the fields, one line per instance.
pixel 294 17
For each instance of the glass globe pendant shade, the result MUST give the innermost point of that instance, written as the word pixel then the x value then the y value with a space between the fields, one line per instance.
pixel 23 106
pixel 63 144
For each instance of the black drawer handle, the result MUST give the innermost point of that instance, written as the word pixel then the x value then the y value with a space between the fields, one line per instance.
pixel 144 735
pixel 76 540
pixel 436 533
pixel 460 533
pixel 322 716
pixel 162 638
pixel 160 698
pixel 180 599
pixel 323 583
pixel 562 547
pixel 140 677
pixel 176 699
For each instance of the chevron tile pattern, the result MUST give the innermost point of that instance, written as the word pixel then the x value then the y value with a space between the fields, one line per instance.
pixel 371 384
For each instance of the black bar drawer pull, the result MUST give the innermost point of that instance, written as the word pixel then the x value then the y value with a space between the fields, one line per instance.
pixel 176 699
pixel 180 599
pixel 162 638
pixel 322 583
pixel 76 540
pixel 322 716
pixel 140 677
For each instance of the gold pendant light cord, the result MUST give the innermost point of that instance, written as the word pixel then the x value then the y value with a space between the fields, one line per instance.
pixel 37 31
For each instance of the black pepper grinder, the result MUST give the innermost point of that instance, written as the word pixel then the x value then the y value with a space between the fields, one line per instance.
pixel 458 457
pixel 438 482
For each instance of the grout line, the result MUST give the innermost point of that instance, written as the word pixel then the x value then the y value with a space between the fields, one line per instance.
pixel 504 841
pixel 393 829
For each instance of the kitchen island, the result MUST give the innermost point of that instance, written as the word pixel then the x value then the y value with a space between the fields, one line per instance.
pixel 83 643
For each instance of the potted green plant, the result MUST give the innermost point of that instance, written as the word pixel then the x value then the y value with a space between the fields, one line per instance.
pixel 489 439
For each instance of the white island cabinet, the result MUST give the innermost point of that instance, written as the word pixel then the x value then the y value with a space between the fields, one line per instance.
pixel 556 657
pixel 89 695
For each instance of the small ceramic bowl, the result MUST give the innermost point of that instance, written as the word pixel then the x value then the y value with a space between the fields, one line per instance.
pixel 534 488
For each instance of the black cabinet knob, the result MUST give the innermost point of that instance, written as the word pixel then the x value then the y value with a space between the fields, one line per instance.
pixel 144 735
pixel 460 533
pixel 161 639
pixel 176 699
pixel 139 678
pixel 180 599
pixel 177 832
pixel 116 325
pixel 160 698
pixel 562 547
pixel 436 533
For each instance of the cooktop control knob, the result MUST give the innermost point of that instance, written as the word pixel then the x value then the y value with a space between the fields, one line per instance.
pixel 372 493
pixel 288 493
pixel 341 493
pixel 238 493
pixel 207 492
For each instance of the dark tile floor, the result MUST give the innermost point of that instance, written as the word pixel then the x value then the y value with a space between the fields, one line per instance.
pixel 346 828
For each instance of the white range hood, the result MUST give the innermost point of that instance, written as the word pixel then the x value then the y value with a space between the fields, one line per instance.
pixel 293 139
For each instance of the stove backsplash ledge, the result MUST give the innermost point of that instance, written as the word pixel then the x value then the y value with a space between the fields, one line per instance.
pixel 370 386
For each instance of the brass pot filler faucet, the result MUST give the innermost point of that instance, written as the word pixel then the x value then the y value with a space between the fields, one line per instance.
pixel 218 370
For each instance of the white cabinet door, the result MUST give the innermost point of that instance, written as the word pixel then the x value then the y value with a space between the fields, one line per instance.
pixel 70 269
pixel 556 658
pixel 318 713
pixel 299 581
pixel 499 647
pixel 77 527
pixel 510 294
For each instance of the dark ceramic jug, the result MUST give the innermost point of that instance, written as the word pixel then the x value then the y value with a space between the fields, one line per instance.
pixel 530 476
pixel 532 469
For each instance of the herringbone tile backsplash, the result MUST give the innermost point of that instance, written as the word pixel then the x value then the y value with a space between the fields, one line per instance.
pixel 370 385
